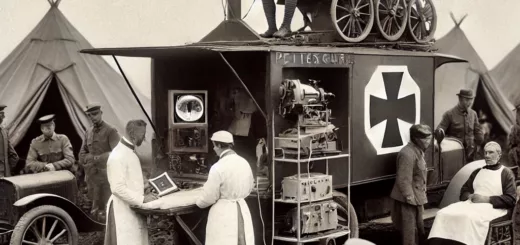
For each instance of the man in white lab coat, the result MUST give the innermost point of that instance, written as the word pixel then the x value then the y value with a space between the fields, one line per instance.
pixel 230 181
pixel 124 226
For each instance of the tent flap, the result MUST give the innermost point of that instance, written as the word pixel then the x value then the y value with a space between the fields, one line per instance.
pixel 52 50
pixel 450 78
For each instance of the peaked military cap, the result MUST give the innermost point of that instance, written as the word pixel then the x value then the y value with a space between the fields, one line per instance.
pixel 92 107
pixel 46 119
pixel 2 107
pixel 466 93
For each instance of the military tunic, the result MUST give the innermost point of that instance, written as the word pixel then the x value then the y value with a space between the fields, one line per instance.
pixel 56 150
pixel 98 142
pixel 465 127
pixel 8 156
pixel 514 145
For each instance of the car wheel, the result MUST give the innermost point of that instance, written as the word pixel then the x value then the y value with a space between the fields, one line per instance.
pixel 45 224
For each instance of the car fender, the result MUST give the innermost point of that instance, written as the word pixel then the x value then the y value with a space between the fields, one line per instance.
pixel 452 193
pixel 83 221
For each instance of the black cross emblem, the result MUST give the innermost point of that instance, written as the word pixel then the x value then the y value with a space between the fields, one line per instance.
pixel 391 109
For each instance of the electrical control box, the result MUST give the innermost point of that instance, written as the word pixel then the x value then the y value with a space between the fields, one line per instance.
pixel 315 217
pixel 314 187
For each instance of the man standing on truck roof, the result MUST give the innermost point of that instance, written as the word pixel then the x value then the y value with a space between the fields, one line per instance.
pixel 49 151
pixel 514 140
pixel 270 14
pixel 100 139
pixel 461 122
pixel 8 156
pixel 409 191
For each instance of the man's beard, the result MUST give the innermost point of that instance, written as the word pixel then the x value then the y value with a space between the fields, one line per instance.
pixel 137 142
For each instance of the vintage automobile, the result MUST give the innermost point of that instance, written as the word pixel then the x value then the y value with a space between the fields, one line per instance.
pixel 41 209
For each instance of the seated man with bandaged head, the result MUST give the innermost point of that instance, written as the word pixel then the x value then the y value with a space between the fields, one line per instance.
pixel 488 194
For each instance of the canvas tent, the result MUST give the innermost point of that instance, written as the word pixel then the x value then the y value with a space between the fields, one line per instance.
pixel 507 75
pixel 47 74
pixel 450 78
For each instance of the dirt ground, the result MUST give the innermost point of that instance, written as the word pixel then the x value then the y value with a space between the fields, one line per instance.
pixel 385 234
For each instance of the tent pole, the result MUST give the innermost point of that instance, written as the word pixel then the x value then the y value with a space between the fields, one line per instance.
pixel 135 95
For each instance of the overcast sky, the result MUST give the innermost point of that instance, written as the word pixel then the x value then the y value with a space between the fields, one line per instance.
pixel 118 23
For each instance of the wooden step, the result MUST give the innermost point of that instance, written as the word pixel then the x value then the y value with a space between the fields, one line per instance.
pixel 428 213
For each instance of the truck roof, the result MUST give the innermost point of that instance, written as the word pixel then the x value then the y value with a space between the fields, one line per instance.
pixel 201 48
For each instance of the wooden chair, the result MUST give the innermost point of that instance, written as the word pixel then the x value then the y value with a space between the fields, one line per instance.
pixel 501 233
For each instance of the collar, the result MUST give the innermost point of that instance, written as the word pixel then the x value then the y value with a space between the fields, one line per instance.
pixel 127 143
pixel 226 152
pixel 493 167
pixel 416 148
pixel 54 137
pixel 101 124
pixel 462 110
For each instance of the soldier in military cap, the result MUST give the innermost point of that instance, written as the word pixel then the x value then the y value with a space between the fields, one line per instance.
pixel 98 142
pixel 461 122
pixel 514 140
pixel 49 151
pixel 8 156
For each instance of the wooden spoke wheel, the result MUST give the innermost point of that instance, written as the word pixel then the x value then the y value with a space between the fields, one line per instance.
pixel 47 225
pixel 346 216
pixel 422 20
pixel 353 19
pixel 391 17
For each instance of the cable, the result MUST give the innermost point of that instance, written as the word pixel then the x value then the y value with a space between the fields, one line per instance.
pixel 250 7
pixel 260 209
pixel 223 9
pixel 258 194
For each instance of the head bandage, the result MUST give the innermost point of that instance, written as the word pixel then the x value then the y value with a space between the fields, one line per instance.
pixel 493 145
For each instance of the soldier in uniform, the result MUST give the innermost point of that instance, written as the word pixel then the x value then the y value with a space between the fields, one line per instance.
pixel 49 151
pixel 8 156
pixel 461 122
pixel 514 140
pixel 98 142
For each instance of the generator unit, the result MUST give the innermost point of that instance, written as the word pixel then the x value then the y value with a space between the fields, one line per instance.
pixel 314 187
pixel 314 217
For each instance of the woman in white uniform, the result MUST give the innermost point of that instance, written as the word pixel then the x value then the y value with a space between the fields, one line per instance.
pixel 230 181
pixel 488 194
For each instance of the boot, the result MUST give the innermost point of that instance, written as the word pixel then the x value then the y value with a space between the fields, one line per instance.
pixel 270 15
pixel 283 32
pixel 269 33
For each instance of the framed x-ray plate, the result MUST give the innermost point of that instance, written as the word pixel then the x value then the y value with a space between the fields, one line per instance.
pixel 163 184
pixel 188 117
pixel 188 106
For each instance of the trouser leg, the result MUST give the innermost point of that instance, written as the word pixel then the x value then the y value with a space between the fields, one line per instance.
pixel 95 198
pixel 290 6
pixel 285 28
pixel 270 15
pixel 408 220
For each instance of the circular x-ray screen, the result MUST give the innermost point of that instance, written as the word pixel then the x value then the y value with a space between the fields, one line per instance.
pixel 189 108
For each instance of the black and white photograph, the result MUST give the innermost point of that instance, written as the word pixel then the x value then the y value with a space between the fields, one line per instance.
pixel 259 122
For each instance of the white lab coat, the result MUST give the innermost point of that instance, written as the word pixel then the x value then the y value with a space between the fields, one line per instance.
pixel 126 182
pixel 229 182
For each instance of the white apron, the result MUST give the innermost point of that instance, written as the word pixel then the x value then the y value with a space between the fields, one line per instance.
pixel 229 182
pixel 126 182
pixel 468 222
